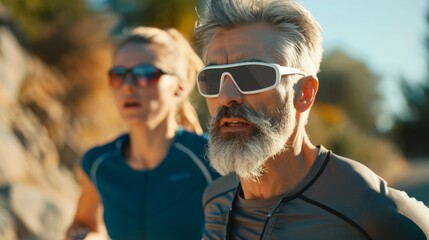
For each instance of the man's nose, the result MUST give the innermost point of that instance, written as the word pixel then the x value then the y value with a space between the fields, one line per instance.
pixel 229 93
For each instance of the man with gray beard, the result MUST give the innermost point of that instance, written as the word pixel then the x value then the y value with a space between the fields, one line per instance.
pixel 260 83
pixel 246 153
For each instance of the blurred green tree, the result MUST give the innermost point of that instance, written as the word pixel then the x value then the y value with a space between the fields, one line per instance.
pixel 344 116
pixel 45 24
pixel 349 84
pixel 50 25
pixel 413 130
pixel 163 14
pixel 38 17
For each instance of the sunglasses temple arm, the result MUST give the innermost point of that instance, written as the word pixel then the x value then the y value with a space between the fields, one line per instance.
pixel 290 71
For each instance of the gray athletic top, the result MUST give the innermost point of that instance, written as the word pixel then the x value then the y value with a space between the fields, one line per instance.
pixel 338 199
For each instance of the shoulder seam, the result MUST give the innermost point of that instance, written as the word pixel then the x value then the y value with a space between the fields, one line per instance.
pixel 196 160
pixel 219 194
pixel 312 181
pixel 337 214
pixel 96 165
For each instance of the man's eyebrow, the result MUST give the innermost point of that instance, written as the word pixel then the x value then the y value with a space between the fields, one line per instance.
pixel 252 60
pixel 245 60
pixel 212 64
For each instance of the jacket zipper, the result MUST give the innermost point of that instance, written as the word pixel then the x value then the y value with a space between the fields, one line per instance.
pixel 270 214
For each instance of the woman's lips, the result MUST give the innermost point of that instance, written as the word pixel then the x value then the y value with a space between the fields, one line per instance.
pixel 131 103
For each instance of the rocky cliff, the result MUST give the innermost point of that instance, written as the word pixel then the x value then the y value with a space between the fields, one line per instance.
pixel 48 118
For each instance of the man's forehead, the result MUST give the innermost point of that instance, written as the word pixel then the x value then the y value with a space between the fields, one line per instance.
pixel 254 41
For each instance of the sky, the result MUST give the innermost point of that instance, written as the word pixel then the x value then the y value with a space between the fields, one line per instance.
pixel 388 35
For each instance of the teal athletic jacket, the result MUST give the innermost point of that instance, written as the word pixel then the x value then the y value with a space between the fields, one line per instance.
pixel 338 199
pixel 163 203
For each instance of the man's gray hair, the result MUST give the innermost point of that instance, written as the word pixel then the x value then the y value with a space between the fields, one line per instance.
pixel 300 45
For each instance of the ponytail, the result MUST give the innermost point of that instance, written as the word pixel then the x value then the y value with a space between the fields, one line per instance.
pixel 186 114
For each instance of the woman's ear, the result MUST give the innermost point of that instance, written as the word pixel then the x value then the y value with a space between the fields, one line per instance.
pixel 306 93
pixel 181 87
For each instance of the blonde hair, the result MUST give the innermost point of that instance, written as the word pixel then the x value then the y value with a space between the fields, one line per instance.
pixel 182 60
pixel 300 43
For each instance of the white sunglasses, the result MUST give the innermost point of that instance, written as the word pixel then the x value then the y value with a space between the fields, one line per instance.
pixel 248 77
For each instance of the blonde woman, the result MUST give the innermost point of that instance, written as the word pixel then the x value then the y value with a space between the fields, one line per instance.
pixel 149 181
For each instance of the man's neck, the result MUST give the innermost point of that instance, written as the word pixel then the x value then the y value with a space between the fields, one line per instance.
pixel 283 172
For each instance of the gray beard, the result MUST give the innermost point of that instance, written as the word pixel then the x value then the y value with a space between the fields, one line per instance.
pixel 246 154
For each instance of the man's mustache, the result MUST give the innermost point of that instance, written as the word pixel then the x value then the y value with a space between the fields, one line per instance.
pixel 237 111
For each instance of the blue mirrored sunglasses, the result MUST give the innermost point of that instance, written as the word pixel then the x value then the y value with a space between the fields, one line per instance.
pixel 142 75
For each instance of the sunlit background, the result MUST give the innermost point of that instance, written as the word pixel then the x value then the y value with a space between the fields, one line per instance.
pixel 372 105
pixel 388 36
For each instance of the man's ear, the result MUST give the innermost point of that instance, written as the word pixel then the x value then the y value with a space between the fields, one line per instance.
pixel 306 92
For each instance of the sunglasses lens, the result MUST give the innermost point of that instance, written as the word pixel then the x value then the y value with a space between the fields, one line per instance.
pixel 209 81
pixel 249 78
pixel 145 73
pixel 116 76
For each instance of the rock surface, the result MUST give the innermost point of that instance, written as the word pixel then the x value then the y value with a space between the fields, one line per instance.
pixel 46 124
